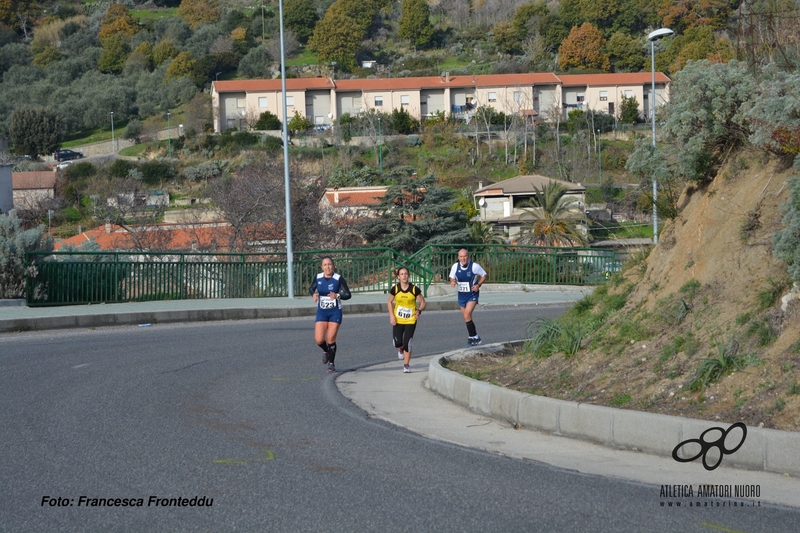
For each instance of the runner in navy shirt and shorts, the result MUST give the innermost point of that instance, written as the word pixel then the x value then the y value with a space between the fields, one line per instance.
pixel 328 290
pixel 468 277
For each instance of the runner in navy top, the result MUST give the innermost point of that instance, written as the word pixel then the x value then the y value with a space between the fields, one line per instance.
pixel 328 290
pixel 468 277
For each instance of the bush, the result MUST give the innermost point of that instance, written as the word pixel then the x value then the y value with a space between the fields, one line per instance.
pixel 267 121
pixel 155 172
pixel 120 168
pixel 14 243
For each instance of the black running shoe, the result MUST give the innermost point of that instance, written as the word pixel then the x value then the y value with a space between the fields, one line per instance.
pixel 331 368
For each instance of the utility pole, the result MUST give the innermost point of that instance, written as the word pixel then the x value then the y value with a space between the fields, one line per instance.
pixel 112 132
pixel 380 146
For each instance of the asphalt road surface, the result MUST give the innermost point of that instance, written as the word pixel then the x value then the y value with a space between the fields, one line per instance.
pixel 242 416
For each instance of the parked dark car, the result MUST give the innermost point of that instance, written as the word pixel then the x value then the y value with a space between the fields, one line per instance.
pixel 66 155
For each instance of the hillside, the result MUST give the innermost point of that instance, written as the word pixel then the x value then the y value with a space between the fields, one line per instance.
pixel 710 290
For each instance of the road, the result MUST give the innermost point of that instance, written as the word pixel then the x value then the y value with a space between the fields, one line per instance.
pixel 244 414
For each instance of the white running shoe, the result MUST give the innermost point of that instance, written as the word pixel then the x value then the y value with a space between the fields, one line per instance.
pixel 400 353
pixel 406 369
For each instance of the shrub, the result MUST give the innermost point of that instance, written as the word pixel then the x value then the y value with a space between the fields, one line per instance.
pixel 14 242
pixel 267 121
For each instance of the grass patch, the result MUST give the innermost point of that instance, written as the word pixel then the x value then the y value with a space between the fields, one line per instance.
pixel 554 336
pixel 762 332
pixel 620 399
pixel 768 296
pixel 134 151
pixel 712 369
pixel 794 388
pixel 306 58
pixel 690 288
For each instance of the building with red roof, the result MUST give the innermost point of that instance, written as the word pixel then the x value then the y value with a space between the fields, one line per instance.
pixel 239 103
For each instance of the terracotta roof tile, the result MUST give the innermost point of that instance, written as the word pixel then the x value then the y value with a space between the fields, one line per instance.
pixel 33 180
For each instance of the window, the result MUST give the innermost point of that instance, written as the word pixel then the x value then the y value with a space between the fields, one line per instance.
pixel 628 94
pixel 290 100
pixel 492 97
pixel 603 96
pixel 517 96
pixel 262 102
pixel 404 100
pixel 579 98
pixel 379 101
pixel 240 103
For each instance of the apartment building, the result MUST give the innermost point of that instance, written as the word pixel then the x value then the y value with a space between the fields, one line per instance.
pixel 549 96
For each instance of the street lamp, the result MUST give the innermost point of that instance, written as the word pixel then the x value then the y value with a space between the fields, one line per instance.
pixel 217 76
pixel 112 131
pixel 169 137
pixel 600 156
pixel 653 37
pixel 380 146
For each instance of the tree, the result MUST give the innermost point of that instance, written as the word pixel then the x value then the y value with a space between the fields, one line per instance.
pixel 482 233
pixel 35 132
pixel 197 12
pixel 300 16
pixel 583 49
pixel 703 119
pixel 197 115
pixel 625 53
pixel 415 25
pixel 555 219
pixel 253 202
pixel 299 123
pixel 337 37
pixel 115 53
pixel 164 50
pixel 118 21
pixel 416 212
pixel 14 243
pixel 628 110
pixel 256 63
pixel 403 123
pixel 182 65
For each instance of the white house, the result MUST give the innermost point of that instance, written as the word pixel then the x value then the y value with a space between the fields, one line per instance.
pixel 239 103
pixel 502 204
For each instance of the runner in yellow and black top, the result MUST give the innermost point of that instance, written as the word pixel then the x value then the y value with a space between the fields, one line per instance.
pixel 405 307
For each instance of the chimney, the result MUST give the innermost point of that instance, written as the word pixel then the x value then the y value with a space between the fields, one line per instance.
pixel 447 76
pixel 480 185
pixel 108 227
pixel 335 196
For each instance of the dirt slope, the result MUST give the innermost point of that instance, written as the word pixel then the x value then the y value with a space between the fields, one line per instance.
pixel 711 287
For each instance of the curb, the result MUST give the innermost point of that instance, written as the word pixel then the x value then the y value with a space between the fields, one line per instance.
pixel 768 450
pixel 94 320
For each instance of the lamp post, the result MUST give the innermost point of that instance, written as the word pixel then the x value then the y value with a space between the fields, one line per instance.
pixel 286 183
pixel 600 156
pixel 169 137
pixel 380 147
pixel 112 132
pixel 217 76
pixel 653 37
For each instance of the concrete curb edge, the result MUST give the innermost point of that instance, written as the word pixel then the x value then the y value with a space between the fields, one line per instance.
pixel 767 450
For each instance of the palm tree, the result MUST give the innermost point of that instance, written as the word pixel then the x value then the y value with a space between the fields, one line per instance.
pixel 553 219
pixel 482 233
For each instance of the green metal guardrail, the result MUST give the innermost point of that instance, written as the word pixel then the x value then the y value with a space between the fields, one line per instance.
pixel 66 278
pixel 525 264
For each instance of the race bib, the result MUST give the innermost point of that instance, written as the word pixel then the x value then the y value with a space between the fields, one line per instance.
pixel 464 286
pixel 326 302
pixel 404 312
